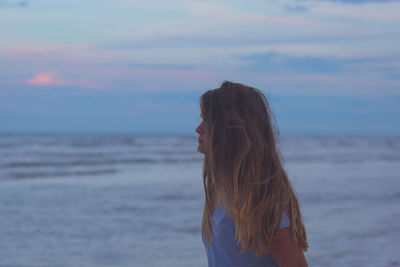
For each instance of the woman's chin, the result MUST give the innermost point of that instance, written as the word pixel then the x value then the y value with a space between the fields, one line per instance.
pixel 200 148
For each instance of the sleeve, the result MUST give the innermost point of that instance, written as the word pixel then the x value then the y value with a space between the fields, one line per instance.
pixel 285 222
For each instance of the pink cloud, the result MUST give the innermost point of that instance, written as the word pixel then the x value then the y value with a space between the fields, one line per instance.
pixel 41 79
pixel 46 79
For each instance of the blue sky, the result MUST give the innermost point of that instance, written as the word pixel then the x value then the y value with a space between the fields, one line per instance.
pixel 327 67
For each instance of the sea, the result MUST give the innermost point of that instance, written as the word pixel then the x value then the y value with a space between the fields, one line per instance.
pixel 70 200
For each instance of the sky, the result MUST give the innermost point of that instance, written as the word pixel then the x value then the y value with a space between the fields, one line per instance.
pixel 327 67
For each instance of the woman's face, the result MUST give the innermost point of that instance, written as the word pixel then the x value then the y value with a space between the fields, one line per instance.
pixel 202 136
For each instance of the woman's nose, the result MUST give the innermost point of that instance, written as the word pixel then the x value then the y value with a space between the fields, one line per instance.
pixel 199 128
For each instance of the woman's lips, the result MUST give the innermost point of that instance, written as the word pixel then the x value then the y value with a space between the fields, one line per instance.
pixel 200 141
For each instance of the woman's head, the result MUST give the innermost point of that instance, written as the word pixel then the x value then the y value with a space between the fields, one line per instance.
pixel 242 165
pixel 232 112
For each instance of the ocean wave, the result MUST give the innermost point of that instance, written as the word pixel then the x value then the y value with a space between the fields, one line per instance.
pixel 22 175
pixel 41 164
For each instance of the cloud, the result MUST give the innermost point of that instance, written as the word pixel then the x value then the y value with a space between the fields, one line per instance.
pixel 208 21
pixel 273 62
pixel 162 66
pixel 11 4
pixel 354 10
pixel 295 8
pixel 41 79
pixel 46 79
pixel 360 1
pixel 303 3
pixel 192 41
pixel 277 63
pixel 292 74
pixel 394 76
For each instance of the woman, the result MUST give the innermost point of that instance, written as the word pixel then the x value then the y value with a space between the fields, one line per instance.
pixel 251 215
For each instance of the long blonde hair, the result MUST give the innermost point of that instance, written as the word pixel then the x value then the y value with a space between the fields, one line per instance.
pixel 243 164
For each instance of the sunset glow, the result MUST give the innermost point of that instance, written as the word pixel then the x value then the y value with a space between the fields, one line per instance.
pixel 41 79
